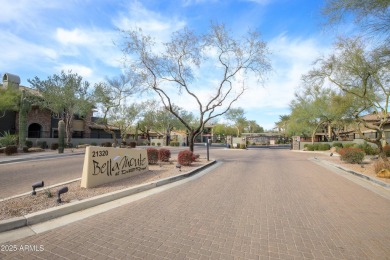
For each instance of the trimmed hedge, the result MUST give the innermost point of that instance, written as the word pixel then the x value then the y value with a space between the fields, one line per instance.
pixel 152 155
pixel 351 155
pixel 164 155
pixel 54 146
pixel 338 144
pixel 185 157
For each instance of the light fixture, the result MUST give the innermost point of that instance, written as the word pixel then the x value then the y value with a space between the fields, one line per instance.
pixel 38 184
pixel 178 166
pixel 61 191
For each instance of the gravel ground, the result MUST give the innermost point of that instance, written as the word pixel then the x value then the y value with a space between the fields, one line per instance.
pixel 20 206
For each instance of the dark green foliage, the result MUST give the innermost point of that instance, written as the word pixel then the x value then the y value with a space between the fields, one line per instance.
pixel 152 155
pixel 348 145
pixel 42 144
pixel 8 139
pixel 338 144
pixel 368 149
pixel 133 144
pixel 242 146
pixel 323 147
pixel 11 149
pixel 164 155
pixel 25 149
pixel 173 143
pixel 309 147
pixel 29 143
pixel 185 157
pixel 69 145
pixel 54 146
pixel 93 144
pixel 352 155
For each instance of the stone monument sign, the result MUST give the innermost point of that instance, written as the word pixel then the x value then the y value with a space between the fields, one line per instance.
pixel 107 164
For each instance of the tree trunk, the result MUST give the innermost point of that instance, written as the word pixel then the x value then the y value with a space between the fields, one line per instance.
pixel 22 127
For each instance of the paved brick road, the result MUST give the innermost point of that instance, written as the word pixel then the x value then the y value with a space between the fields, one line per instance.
pixel 265 204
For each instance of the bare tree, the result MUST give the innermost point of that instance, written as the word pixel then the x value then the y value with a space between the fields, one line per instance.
pixel 176 65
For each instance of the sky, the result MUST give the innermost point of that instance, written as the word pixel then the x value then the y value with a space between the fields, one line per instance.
pixel 41 38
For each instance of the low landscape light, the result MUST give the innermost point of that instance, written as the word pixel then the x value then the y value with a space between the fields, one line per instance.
pixel 178 166
pixel 61 191
pixel 38 184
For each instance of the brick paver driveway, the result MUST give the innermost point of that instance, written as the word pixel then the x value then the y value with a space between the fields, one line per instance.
pixel 259 204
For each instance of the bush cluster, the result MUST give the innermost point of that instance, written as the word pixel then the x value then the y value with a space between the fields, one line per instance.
pixel 348 145
pixel 368 149
pixel 11 149
pixel 338 144
pixel 29 143
pixel 164 155
pixel 317 147
pixel 174 143
pixel 25 149
pixel 54 146
pixel 8 139
pixel 152 155
pixel 352 155
pixel 133 144
pixel 185 157
pixel 42 144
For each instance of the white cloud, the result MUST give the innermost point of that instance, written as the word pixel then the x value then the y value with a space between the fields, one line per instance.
pixel 82 70
pixel 75 36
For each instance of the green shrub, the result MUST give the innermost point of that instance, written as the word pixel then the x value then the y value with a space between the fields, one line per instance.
pixel 316 146
pixel 133 144
pixel 11 149
pixel 153 144
pixel 29 143
pixel 158 144
pixel 93 144
pixel 242 146
pixel 164 155
pixel 352 155
pixel 25 149
pixel 8 139
pixel 174 143
pixel 54 146
pixel 185 157
pixel 42 144
pixel 368 149
pixel 309 147
pixel 338 144
pixel 152 155
pixel 324 147
pixel 348 145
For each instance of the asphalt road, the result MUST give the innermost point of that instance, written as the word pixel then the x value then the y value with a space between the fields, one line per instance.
pixel 258 204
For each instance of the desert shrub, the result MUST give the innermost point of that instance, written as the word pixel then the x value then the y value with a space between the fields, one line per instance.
pixel 242 146
pixel 158 144
pixel 386 148
pixel 316 146
pixel 69 145
pixel 42 144
pixel 338 144
pixel 348 145
pixel 54 146
pixel 164 155
pixel 174 143
pixel 368 149
pixel 93 144
pixel 323 147
pixel 185 157
pixel 8 139
pixel 25 149
pixel 380 165
pixel 152 155
pixel 309 147
pixel 133 144
pixel 153 144
pixel 11 149
pixel 29 143
pixel 352 155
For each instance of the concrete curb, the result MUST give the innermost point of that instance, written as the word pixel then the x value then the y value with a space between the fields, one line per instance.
pixel 368 178
pixel 48 214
